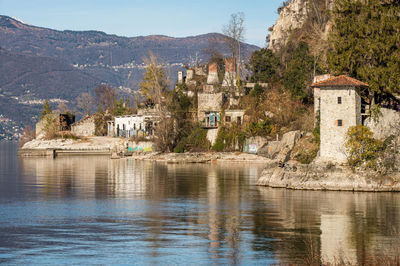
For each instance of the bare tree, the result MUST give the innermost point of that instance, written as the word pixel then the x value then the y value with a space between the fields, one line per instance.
pixel 85 101
pixel 62 108
pixel 234 31
pixel 106 97
pixel 153 87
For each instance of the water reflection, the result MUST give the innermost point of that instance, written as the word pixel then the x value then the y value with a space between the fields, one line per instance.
pixel 147 212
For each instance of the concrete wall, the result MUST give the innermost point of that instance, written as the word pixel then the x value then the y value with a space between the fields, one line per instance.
pixel 84 127
pixel 141 146
pixel 332 135
pixel 212 135
pixel 253 144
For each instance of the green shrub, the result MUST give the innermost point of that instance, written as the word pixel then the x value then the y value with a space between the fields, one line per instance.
pixel 180 147
pixel 226 138
pixel 262 128
pixel 361 147
pixel 196 141
pixel 306 157
pixel 219 145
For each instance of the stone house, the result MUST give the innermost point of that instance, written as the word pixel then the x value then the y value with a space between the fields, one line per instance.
pixel 84 127
pixel 338 101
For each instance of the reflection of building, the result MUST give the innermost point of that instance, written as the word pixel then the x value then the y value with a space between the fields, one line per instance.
pixel 336 239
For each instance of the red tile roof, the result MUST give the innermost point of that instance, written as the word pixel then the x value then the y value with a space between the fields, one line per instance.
pixel 342 80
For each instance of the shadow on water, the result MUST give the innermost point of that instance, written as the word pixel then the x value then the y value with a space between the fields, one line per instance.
pixel 97 210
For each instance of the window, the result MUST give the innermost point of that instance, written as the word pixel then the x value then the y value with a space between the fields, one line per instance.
pixel 239 120
pixel 339 100
pixel 340 123
pixel 227 119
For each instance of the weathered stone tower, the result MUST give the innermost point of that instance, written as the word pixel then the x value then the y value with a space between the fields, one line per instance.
pixel 339 104
pixel 212 77
pixel 230 73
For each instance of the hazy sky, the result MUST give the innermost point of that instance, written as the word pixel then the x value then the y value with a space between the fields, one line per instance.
pixel 130 18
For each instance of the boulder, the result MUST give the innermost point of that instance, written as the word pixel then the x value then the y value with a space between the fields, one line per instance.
pixel 280 150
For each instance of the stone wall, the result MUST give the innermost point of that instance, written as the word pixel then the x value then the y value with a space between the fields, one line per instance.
pixel 84 127
pixel 333 135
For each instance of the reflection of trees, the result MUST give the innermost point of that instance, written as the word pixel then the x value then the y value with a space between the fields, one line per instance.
pixel 284 224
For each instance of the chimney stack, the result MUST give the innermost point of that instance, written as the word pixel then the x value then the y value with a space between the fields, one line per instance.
pixel 230 73
pixel 212 77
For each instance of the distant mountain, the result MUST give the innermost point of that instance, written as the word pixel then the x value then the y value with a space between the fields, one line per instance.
pixel 40 63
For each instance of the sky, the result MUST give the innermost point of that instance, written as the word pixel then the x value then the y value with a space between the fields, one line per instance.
pixel 176 18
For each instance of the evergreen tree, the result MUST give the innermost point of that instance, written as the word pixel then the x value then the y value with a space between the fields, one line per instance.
pixel 299 72
pixel 46 109
pixel 365 43
pixel 263 64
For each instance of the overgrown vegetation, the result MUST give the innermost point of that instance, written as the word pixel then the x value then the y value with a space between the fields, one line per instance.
pixel 362 148
pixel 196 141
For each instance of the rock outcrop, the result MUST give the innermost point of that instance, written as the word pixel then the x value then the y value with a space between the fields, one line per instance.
pixel 294 16
pixel 280 150
pixel 388 123
pixel 327 177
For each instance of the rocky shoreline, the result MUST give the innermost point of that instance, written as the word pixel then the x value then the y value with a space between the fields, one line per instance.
pixel 202 157
pixel 327 177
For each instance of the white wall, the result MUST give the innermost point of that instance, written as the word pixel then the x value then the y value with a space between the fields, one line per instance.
pixel 130 122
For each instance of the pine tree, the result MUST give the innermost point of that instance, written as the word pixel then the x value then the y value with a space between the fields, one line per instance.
pixel 46 109
pixel 365 43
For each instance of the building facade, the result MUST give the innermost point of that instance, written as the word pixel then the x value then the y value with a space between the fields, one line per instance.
pixel 133 126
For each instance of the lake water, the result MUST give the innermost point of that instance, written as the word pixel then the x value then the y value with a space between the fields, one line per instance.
pixel 93 210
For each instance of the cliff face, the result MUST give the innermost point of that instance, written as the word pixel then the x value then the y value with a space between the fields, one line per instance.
pixel 305 20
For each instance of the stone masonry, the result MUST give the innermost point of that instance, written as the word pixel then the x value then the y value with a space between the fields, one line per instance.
pixel 340 109
pixel 212 77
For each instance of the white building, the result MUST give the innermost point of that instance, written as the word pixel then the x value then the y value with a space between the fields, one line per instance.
pixel 134 126
pixel 339 103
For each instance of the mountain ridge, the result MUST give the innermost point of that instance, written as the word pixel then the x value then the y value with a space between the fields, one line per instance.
pixel 88 58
